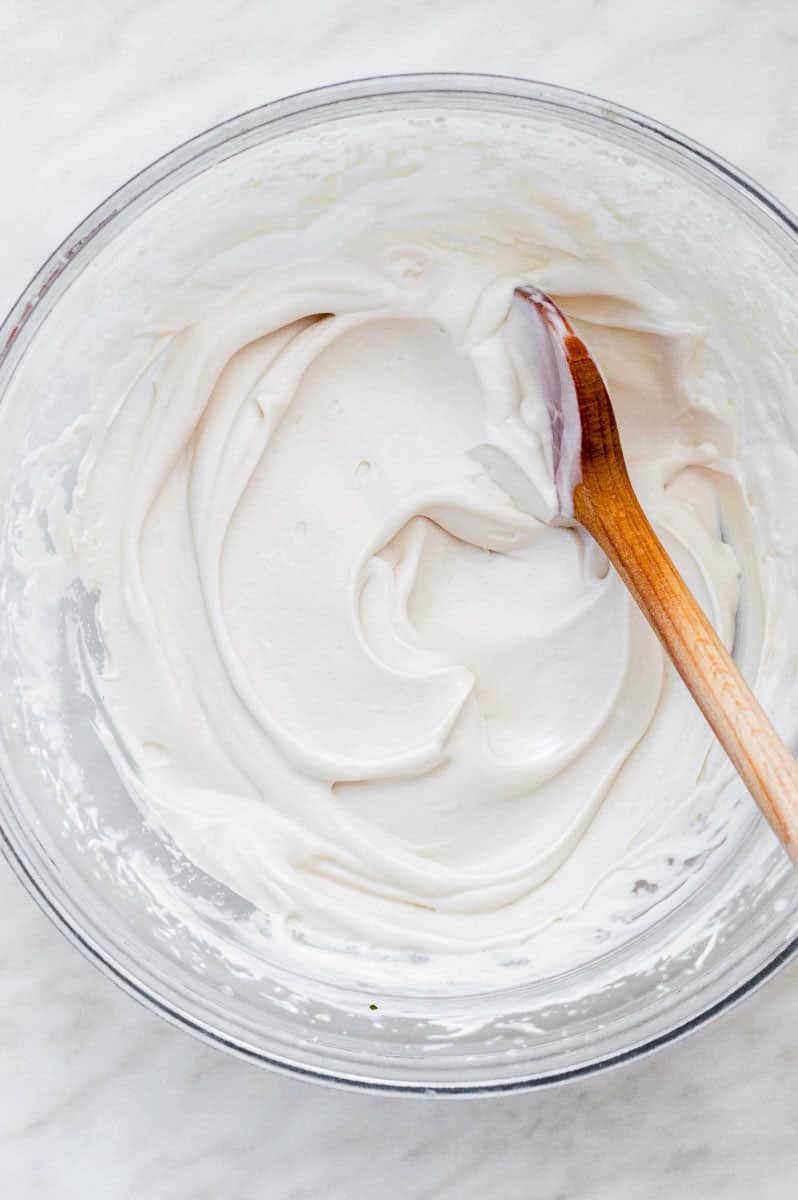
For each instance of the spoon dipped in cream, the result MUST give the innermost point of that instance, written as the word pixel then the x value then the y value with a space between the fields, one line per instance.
pixel 594 489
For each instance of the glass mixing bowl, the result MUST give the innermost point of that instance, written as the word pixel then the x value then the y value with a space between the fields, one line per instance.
pixel 179 941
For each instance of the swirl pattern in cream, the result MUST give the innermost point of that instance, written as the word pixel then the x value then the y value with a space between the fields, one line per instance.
pixel 362 675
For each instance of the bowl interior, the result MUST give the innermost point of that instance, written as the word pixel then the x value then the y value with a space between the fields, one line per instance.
pixel 178 939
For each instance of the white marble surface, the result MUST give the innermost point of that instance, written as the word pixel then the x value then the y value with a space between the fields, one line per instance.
pixel 97 1097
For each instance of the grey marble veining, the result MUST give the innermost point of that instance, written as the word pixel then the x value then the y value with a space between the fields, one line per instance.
pixel 99 1098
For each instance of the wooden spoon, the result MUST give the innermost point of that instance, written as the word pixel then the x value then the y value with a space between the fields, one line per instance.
pixel 593 488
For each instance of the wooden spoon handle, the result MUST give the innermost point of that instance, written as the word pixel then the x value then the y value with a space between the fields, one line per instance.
pixel 741 726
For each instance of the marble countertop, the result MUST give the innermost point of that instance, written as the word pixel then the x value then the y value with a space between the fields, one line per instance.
pixel 99 1098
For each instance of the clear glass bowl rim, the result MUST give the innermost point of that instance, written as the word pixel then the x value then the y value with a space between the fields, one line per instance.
pixel 56 273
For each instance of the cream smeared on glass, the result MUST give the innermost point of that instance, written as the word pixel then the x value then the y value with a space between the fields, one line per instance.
pixel 360 675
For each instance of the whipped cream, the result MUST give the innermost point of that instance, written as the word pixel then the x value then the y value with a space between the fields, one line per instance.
pixel 351 664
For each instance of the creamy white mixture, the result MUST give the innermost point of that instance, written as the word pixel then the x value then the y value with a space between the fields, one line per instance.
pixel 361 677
